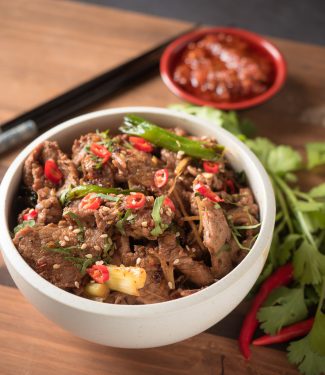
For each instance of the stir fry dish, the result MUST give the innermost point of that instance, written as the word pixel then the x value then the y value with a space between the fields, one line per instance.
pixel 144 216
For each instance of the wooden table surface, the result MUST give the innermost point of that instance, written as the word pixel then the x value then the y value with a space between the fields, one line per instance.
pixel 50 46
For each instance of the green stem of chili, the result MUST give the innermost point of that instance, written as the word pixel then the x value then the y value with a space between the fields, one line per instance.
pixel 160 137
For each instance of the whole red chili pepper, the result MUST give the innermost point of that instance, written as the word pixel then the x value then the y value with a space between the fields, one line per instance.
pixel 282 276
pixel 286 333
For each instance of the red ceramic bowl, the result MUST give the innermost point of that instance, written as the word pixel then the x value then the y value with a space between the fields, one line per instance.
pixel 173 52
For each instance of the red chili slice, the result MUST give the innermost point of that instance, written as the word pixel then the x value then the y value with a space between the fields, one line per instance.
pixel 161 177
pixel 135 201
pixel 31 215
pixel 207 193
pixel 99 273
pixel 90 202
pixel 168 202
pixel 100 151
pixel 52 171
pixel 210 167
pixel 141 144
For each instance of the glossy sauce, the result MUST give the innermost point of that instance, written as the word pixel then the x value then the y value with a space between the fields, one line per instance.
pixel 223 68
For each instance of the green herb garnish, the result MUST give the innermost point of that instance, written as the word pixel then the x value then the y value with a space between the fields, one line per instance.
pixel 24 224
pixel 128 216
pixel 160 227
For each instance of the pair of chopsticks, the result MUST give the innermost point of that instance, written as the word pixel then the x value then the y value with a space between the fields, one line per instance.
pixel 29 124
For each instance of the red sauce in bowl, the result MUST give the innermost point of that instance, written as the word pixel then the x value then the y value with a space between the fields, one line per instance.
pixel 223 68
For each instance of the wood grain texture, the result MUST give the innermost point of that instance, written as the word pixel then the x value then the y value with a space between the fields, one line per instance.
pixel 30 344
pixel 50 47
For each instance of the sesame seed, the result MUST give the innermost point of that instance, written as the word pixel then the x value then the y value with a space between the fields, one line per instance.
pixel 104 235
pixel 180 154
pixel 66 238
pixel 70 227
pixel 77 230
pixel 56 266
pixel 77 285
pixel 176 261
pixel 99 262
pixel 170 285
pixel 177 234
pixel 187 248
pixel 138 261
pixel 96 247
pixel 89 256
pixel 144 224
pixel 83 246
pixel 62 243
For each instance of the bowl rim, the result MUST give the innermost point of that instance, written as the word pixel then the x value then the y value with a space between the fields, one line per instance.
pixel 16 261
pixel 174 48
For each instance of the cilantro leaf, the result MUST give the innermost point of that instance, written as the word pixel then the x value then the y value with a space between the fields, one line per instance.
pixel 284 159
pixel 309 264
pixel 317 191
pixel 155 214
pixel 310 363
pixel 315 154
pixel 227 120
pixel 286 248
pixel 261 148
pixel 283 307
pixel 128 216
pixel 309 353
pixel 24 224
pixel 309 206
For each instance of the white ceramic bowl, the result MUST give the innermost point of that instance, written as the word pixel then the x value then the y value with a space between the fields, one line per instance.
pixel 141 326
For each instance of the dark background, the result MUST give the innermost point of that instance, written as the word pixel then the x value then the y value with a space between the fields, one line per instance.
pixel 300 20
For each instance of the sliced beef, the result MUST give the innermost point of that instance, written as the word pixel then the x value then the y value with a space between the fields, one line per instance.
pixel 34 244
pixel 237 254
pixel 123 254
pixel 246 199
pixel 216 233
pixel 156 288
pixel 94 171
pixel 169 158
pixel 48 206
pixel 172 255
pixel 33 171
pixel 135 167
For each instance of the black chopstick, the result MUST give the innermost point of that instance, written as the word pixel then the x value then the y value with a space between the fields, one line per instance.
pixel 27 125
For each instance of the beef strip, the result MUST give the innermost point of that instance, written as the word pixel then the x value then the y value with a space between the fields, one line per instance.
pixel 216 233
pixel 33 243
pixel 171 254
pixel 156 288
pixel 48 206
pixel 33 171
pixel 246 199
pixel 93 171
pixel 123 254
pixel 135 167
